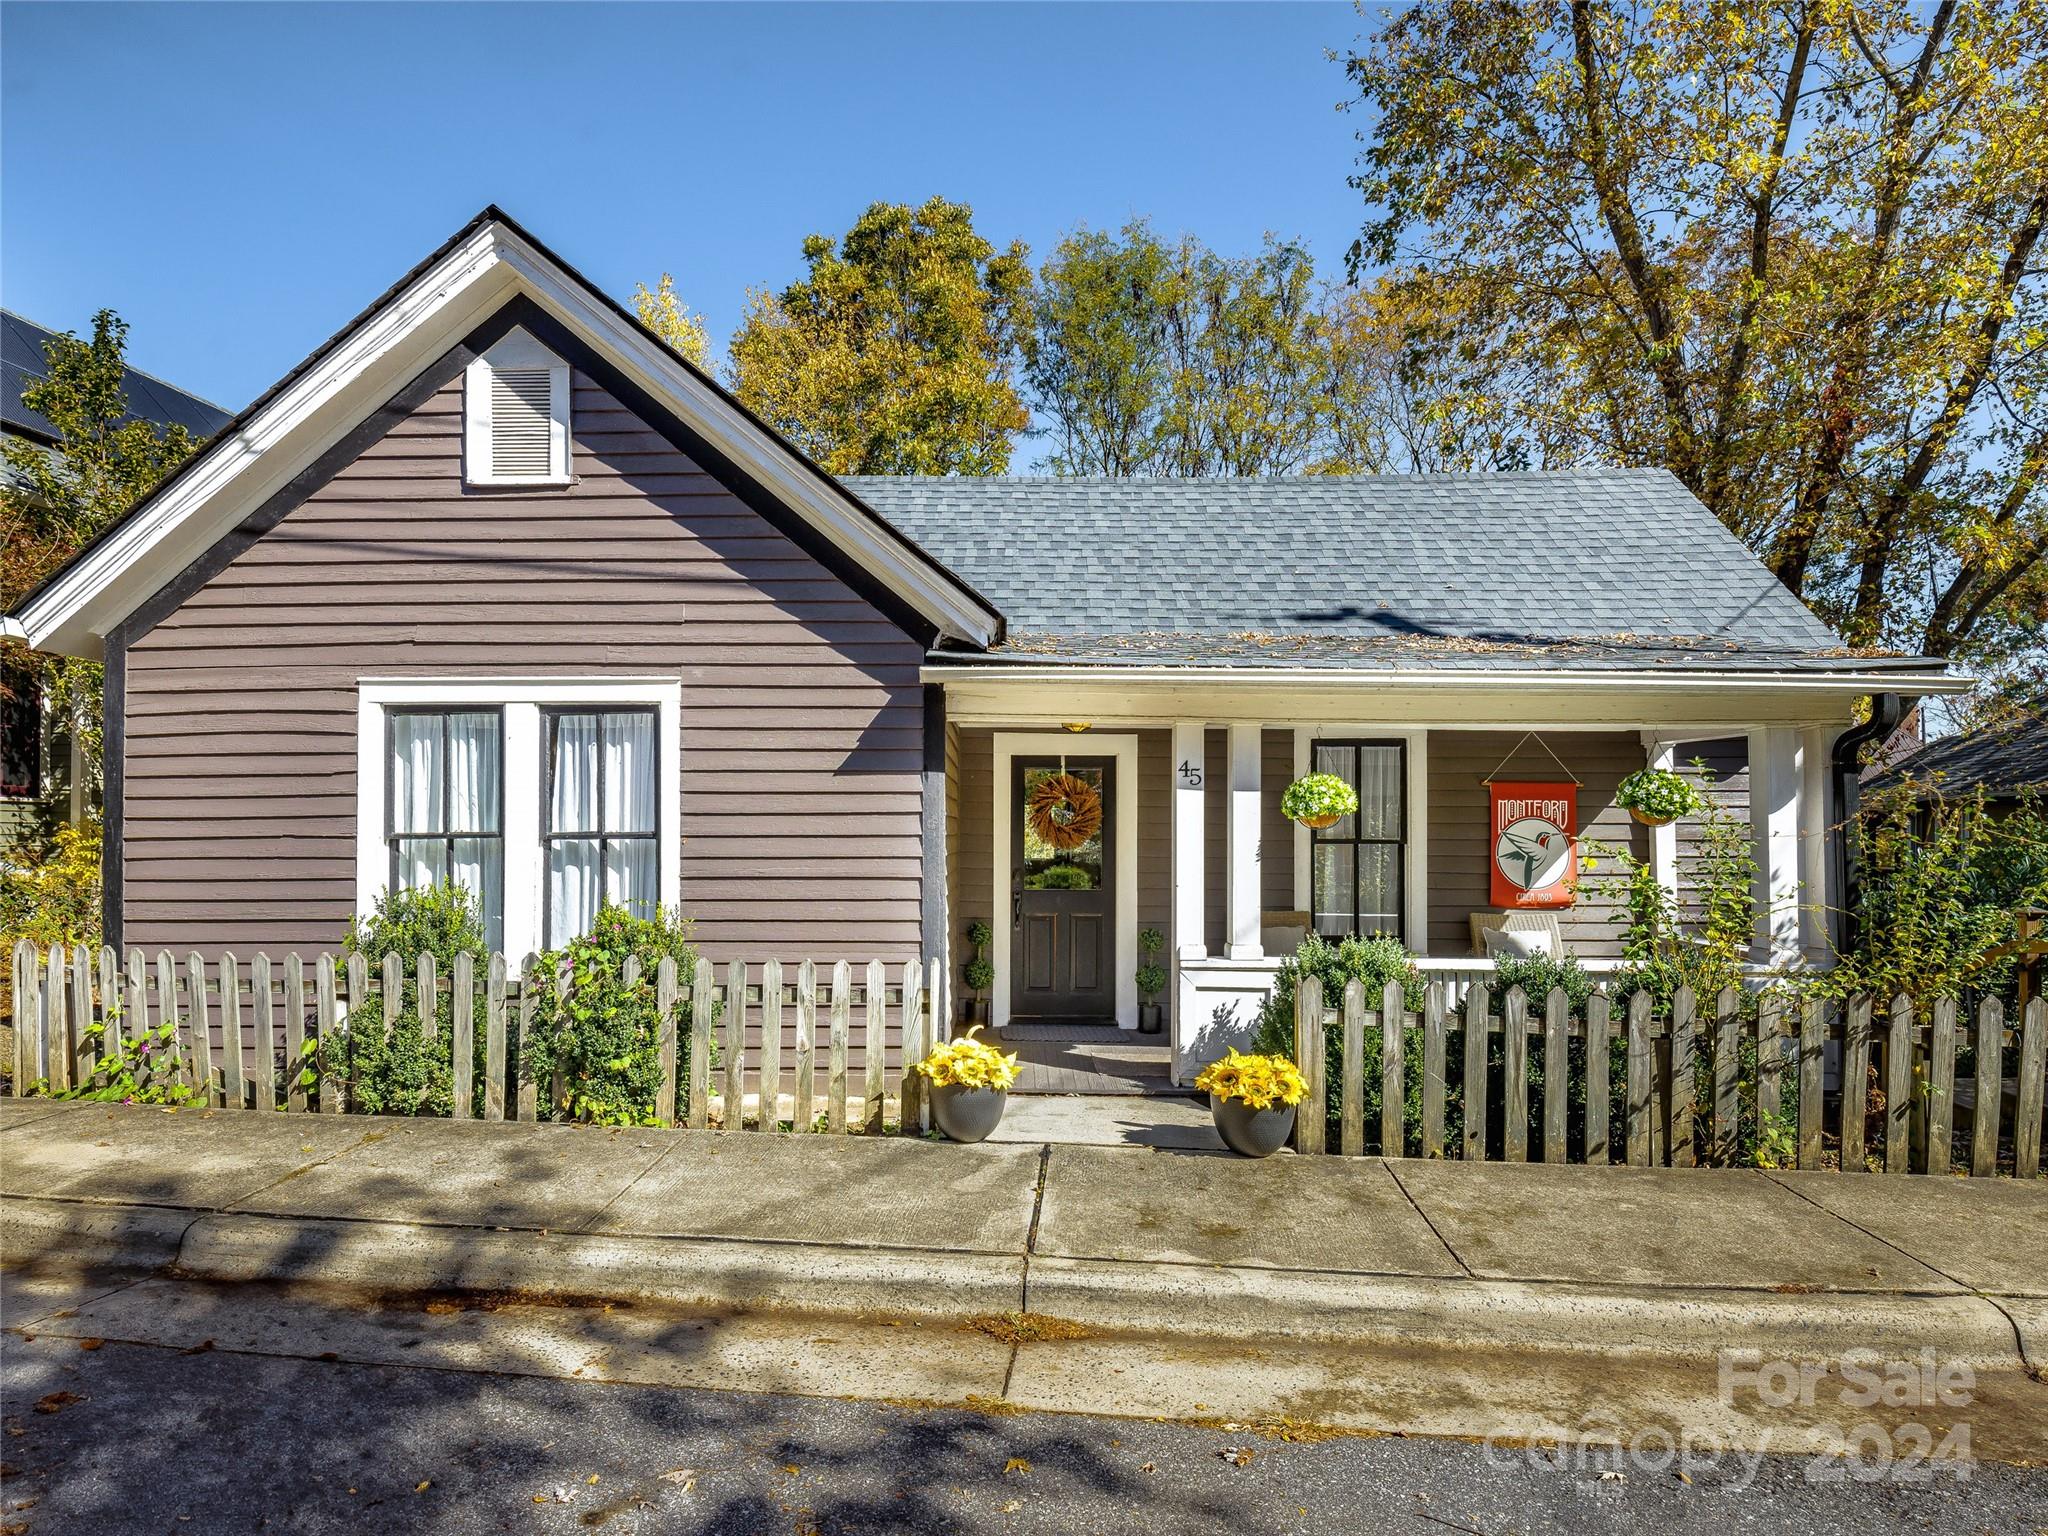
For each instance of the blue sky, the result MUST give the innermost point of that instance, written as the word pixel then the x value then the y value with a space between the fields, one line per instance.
pixel 238 180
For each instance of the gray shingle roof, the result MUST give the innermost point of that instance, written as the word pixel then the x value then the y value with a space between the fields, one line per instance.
pixel 1585 568
pixel 2001 762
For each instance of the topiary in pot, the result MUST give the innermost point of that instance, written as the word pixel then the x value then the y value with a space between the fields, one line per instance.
pixel 1151 979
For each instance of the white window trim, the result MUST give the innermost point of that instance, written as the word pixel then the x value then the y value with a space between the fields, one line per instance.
pixel 1415 856
pixel 517 349
pixel 522 700
pixel 1124 749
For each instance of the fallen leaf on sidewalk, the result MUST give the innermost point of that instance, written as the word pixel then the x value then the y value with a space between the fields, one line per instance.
pixel 684 1477
pixel 1237 1455
pixel 57 1402
pixel 1016 1464
pixel 1149 1466
pixel 90 1343
pixel 423 1485
pixel 1012 1506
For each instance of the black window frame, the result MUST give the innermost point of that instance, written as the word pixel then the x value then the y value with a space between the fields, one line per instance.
pixel 550 714
pixel 1327 837
pixel 449 838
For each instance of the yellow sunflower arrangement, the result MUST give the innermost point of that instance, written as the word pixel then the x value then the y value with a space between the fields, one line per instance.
pixel 1259 1081
pixel 968 1063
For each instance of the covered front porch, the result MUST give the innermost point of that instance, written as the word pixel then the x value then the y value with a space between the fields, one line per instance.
pixel 1193 850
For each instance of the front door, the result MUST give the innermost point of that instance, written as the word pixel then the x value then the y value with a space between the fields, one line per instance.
pixel 1063 896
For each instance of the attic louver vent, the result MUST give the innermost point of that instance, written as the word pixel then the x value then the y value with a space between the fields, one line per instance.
pixel 521 427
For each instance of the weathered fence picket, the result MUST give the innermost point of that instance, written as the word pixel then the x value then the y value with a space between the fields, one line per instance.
pixel 806 1103
pixel 1898 1088
pixel 874 1050
pixel 294 1032
pixel 494 1038
pixel 1987 1100
pixel 1855 1084
pixel 1351 1107
pixel 771 1046
pixel 462 1028
pixel 842 1029
pixel 732 1109
pixel 1434 1008
pixel 1556 1074
pixel 1393 1069
pixel 1310 1124
pixel 1475 1075
pixel 703 1010
pixel 1599 1031
pixel 910 1095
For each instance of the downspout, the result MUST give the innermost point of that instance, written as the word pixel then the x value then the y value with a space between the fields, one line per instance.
pixel 1886 711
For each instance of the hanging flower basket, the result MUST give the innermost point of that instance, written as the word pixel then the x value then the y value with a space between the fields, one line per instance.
pixel 1656 797
pixel 1064 810
pixel 1318 800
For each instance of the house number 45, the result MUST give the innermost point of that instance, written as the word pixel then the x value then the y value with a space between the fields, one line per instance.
pixel 1190 775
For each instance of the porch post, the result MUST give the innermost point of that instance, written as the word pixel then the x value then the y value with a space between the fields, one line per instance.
pixel 1815 920
pixel 1663 755
pixel 1190 926
pixel 1245 943
pixel 1775 780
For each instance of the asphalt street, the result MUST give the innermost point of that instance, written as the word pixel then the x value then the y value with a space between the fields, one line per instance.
pixel 118 1438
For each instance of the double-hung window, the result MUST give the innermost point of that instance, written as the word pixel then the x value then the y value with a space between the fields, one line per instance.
pixel 1356 865
pixel 603 817
pixel 444 817
pixel 547 797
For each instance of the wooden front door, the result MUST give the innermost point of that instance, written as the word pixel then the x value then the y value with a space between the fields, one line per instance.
pixel 1063 889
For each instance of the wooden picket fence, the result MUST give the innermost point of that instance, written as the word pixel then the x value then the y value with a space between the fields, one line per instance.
pixel 1684 1080
pixel 76 1009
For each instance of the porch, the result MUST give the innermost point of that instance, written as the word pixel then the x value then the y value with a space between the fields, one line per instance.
pixel 1193 848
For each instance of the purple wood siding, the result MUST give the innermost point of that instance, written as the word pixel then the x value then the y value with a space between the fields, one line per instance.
pixel 801 709
pixel 1459 762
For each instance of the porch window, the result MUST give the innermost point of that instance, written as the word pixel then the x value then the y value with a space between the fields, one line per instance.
pixel 444 820
pixel 1355 883
pixel 601 837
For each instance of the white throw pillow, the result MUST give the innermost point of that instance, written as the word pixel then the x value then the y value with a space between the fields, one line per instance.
pixel 1517 943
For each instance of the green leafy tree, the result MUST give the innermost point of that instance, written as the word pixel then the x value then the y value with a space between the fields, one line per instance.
pixel 899 349
pixel 1098 371
pixel 1788 252
pixel 672 320
pixel 55 502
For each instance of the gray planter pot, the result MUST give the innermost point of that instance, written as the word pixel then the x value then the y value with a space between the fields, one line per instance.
pixel 968 1114
pixel 1252 1132
pixel 1151 1018
pixel 975 1010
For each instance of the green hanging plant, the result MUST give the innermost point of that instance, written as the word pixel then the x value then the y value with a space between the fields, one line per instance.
pixel 1318 800
pixel 1657 796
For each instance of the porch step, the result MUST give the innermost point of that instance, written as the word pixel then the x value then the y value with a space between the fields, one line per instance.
pixel 1081 1059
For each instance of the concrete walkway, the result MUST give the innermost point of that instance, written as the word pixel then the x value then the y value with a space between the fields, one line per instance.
pixel 1350 1282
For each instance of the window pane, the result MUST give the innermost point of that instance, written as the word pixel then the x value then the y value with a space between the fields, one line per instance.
pixel 473 772
pixel 1379 792
pixel 479 868
pixel 572 807
pixel 1342 760
pixel 1335 888
pixel 416 773
pixel 420 862
pixel 1047 866
pixel 1379 888
pixel 573 887
pixel 629 875
pixel 629 772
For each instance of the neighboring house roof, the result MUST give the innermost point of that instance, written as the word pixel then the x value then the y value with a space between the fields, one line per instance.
pixel 1587 568
pixel 489 267
pixel 2000 762
pixel 23 362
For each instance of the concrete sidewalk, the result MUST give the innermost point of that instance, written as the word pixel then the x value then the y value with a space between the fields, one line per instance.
pixel 1124 1242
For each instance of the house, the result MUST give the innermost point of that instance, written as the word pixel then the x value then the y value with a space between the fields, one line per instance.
pixel 496 588
pixel 39 753
pixel 2001 763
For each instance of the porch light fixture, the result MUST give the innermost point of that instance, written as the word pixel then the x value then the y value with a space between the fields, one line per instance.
pixel 1076 726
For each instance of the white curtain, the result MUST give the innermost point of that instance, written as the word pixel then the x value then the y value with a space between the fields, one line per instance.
pixel 629 772
pixel 573 806
pixel 416 760
pixel 1379 791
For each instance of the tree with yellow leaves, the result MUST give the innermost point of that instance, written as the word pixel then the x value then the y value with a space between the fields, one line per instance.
pixel 896 352
pixel 1787 250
